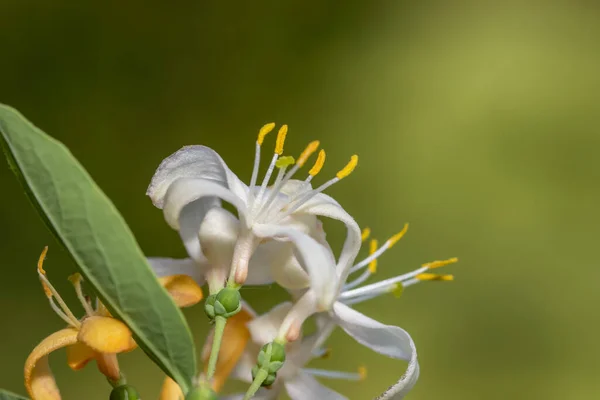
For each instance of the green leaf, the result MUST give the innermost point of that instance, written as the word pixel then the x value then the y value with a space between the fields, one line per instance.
pixel 6 395
pixel 86 222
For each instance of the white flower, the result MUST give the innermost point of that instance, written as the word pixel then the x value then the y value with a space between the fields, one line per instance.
pixel 294 378
pixel 388 340
pixel 189 186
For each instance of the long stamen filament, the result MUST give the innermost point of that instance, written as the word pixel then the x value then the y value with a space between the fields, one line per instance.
pixel 259 141
pixel 375 287
pixel 51 292
pixel 347 376
pixel 75 279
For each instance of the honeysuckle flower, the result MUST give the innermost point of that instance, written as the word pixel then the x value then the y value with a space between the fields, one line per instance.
pixel 97 336
pixel 294 378
pixel 189 186
pixel 388 340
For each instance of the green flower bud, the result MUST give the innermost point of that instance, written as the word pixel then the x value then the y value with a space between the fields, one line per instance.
pixel 201 393
pixel 270 380
pixel 228 302
pixel 277 352
pixel 209 306
pixel 124 392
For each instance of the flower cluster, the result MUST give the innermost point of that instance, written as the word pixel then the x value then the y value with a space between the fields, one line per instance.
pixel 276 236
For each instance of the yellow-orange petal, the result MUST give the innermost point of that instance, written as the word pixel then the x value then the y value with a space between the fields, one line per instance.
pixel 183 289
pixel 170 390
pixel 108 365
pixel 78 355
pixel 235 338
pixel 105 335
pixel 39 381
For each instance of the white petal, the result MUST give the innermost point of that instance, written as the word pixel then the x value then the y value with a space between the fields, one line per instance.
pixel 218 234
pixel 171 266
pixel 314 257
pixel 404 385
pixel 326 206
pixel 190 219
pixel 389 340
pixel 192 162
pixel 385 339
pixel 185 191
pixel 264 328
pixel 267 257
pixel 305 387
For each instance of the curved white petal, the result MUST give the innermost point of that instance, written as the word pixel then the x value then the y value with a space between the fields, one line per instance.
pixel 389 340
pixel 404 385
pixel 199 162
pixel 305 387
pixel 326 206
pixel 172 266
pixel 184 191
pixel 264 328
pixel 314 257
pixel 190 219
pixel 217 236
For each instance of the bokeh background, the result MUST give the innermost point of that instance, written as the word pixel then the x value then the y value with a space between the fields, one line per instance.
pixel 476 121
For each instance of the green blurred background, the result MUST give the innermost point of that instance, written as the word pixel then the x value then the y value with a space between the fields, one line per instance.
pixel 477 122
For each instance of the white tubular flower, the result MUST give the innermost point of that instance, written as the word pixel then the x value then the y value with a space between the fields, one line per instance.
pixel 189 186
pixel 388 340
pixel 294 378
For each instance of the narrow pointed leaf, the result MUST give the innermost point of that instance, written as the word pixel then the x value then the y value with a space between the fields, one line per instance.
pixel 6 395
pixel 96 236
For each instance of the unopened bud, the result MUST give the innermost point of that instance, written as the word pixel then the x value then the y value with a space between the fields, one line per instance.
pixel 201 393
pixel 124 392
pixel 209 306
pixel 227 303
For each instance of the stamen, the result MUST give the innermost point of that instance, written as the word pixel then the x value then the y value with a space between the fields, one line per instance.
pixel 281 139
pixel 365 234
pixel 285 162
pixel 441 263
pixel 394 239
pixel 434 277
pixel 308 151
pixel 75 279
pixel 347 170
pixel 264 131
pixel 318 164
pixel 40 267
pixel 53 295
pixel 372 250
pixel 388 243
pixel 347 376
pixel 322 352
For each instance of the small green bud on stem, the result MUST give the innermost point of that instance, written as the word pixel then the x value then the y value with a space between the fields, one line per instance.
pixel 124 392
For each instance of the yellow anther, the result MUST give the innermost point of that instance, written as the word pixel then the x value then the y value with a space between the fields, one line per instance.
pixel 440 263
pixel 308 151
pixel 365 234
pixel 284 162
pixel 281 139
pixel 434 277
pixel 318 164
pixel 347 170
pixel 372 249
pixel 40 264
pixel 263 132
pixel 394 239
pixel 397 290
pixel 40 268
pixel 75 279
pixel 362 372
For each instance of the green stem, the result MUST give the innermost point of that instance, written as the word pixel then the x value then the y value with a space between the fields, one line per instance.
pixel 256 384
pixel 220 323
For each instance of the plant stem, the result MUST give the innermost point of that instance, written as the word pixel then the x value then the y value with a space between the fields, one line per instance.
pixel 256 384
pixel 220 323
